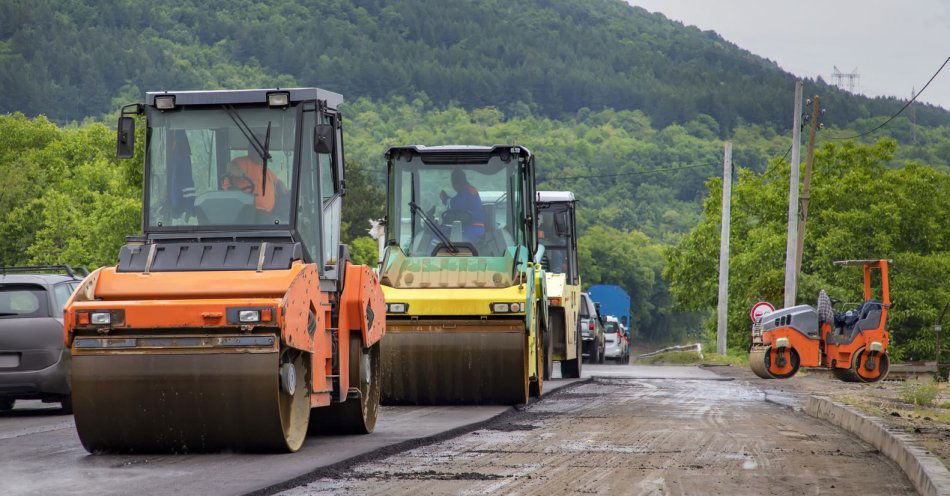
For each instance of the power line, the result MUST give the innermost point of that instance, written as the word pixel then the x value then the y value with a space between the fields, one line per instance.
pixel 604 176
pixel 889 119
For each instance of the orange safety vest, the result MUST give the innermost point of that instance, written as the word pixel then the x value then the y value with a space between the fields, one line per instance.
pixel 251 182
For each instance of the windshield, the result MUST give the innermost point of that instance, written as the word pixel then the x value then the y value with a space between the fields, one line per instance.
pixel 456 209
pixel 21 301
pixel 554 233
pixel 205 166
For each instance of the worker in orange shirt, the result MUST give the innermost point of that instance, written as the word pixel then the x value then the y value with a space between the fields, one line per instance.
pixel 246 174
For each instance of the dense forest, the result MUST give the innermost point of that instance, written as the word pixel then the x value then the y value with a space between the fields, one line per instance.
pixel 626 108
pixel 68 60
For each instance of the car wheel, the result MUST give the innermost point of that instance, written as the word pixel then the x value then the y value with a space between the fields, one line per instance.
pixel 66 405
pixel 6 404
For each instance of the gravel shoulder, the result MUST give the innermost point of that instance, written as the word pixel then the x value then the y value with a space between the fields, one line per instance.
pixel 929 426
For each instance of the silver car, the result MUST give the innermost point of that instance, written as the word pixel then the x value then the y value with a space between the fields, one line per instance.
pixel 33 361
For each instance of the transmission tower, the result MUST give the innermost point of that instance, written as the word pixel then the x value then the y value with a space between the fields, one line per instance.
pixel 845 79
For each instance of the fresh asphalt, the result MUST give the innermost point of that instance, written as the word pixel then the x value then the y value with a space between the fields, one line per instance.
pixel 40 454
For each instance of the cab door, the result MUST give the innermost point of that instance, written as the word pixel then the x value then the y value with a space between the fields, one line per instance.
pixel 331 191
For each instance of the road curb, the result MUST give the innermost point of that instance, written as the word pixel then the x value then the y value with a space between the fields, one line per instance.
pixel 927 473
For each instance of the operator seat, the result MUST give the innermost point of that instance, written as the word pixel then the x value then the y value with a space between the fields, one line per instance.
pixel 495 241
pixel 867 316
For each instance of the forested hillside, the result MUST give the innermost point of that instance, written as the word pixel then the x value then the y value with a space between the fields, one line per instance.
pixel 627 109
pixel 68 60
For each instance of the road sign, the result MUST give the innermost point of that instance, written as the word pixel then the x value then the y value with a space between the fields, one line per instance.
pixel 759 309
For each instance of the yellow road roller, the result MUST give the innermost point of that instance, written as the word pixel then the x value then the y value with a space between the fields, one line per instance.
pixel 556 231
pixel 462 276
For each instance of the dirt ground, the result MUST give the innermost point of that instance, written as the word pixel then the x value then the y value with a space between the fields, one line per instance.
pixel 930 426
pixel 634 435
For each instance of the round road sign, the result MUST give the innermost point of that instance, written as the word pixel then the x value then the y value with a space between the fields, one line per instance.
pixel 759 309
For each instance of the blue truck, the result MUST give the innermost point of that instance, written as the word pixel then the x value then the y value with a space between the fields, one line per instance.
pixel 613 300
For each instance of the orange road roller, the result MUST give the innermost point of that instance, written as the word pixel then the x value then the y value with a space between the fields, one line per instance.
pixel 236 320
pixel 852 343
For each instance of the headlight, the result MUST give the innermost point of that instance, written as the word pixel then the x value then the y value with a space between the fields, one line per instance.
pixel 165 102
pixel 397 307
pixel 507 307
pixel 100 318
pixel 249 315
pixel 278 99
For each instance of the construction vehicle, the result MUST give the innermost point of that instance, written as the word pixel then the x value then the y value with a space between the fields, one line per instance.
pixel 462 276
pixel 235 321
pixel 853 344
pixel 556 231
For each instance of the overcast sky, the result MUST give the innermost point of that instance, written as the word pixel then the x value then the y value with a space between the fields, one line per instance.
pixel 895 45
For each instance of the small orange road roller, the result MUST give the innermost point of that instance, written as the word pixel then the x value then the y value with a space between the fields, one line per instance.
pixel 853 343
pixel 235 321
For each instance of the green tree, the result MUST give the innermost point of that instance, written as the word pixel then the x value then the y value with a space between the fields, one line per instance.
pixel 860 209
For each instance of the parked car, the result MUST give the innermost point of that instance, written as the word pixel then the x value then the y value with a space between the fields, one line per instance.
pixel 592 330
pixel 616 339
pixel 33 361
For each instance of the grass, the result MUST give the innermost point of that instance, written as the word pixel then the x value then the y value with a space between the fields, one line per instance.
pixel 734 358
pixel 672 358
pixel 920 393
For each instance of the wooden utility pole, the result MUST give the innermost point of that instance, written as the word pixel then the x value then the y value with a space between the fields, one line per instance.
pixel 722 310
pixel 791 242
pixel 806 185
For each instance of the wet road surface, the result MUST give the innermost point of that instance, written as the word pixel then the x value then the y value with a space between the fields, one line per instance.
pixel 40 454
pixel 642 431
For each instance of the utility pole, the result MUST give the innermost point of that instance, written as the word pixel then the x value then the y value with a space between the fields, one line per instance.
pixel 806 185
pixel 791 243
pixel 723 308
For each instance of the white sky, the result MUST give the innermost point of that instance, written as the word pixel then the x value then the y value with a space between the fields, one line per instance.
pixel 895 45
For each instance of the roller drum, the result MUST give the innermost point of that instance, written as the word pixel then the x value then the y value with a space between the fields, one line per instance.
pixel 758 357
pixel 470 367
pixel 159 402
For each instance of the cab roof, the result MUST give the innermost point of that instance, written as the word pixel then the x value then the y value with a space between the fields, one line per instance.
pixel 556 196
pixel 236 97
pixel 458 153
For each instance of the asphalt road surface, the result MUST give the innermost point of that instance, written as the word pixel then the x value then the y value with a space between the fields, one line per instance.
pixel 641 431
pixel 40 454
pixel 636 430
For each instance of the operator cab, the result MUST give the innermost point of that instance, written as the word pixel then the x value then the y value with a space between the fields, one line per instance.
pixel 453 202
pixel 237 180
pixel 556 231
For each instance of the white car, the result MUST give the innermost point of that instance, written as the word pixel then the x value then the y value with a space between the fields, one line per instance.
pixel 616 340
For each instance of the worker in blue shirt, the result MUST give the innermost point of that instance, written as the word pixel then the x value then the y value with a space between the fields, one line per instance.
pixel 465 206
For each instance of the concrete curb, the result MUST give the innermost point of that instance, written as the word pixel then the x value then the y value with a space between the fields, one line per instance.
pixel 928 475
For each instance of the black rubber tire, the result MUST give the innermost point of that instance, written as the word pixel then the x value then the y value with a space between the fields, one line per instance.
pixel 6 404
pixel 571 369
pixel 66 405
pixel 358 414
pixel 602 355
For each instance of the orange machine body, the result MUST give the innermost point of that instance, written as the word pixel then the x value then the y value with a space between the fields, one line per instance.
pixel 181 305
pixel 826 344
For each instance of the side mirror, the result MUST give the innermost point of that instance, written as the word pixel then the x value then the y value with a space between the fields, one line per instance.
pixel 597 307
pixel 323 138
pixel 125 139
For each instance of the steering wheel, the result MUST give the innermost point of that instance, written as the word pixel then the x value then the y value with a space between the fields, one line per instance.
pixel 456 214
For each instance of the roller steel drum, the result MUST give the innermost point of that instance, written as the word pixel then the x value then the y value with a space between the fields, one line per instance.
pixel 757 361
pixel 469 362
pixel 141 399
